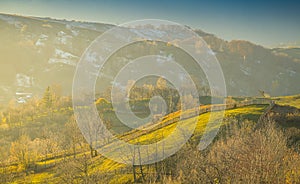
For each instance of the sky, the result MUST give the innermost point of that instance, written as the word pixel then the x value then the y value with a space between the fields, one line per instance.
pixel 264 22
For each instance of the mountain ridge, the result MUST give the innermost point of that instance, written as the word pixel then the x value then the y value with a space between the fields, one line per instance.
pixel 38 52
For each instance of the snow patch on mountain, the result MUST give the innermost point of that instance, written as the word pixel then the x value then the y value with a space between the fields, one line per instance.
pixel 61 56
pixel 41 40
pixel 164 59
pixel 75 32
pixel 63 38
pixel 64 61
pixel 211 52
pixel 64 55
pixel 91 57
pixel 24 80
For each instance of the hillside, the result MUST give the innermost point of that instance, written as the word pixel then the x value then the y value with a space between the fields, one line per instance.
pixel 49 168
pixel 62 164
pixel 38 52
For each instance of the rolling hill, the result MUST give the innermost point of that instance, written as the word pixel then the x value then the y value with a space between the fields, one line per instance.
pixel 38 52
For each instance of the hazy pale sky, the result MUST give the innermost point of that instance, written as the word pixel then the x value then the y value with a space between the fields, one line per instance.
pixel 263 22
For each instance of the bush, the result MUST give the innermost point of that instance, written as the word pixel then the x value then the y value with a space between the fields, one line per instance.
pixel 247 155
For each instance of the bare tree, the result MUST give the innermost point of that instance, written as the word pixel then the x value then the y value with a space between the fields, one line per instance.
pixel 24 152
pixel 73 135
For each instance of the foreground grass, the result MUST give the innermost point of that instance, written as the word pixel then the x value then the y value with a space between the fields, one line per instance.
pixel 105 166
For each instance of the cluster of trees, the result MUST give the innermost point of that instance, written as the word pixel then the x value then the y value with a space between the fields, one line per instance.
pixel 33 109
pixel 28 149
pixel 43 134
pixel 246 155
pixel 242 153
pixel 140 95
pixel 35 131
pixel 40 133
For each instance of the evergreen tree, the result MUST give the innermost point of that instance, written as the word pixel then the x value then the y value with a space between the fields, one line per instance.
pixel 47 99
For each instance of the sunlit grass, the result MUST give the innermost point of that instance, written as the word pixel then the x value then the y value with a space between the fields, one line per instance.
pixel 122 178
pixel 289 100
pixel 252 113
pixel 104 165
pixel 249 112
pixel 44 177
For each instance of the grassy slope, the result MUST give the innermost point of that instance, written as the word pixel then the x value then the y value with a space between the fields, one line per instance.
pixel 293 101
pixel 110 167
